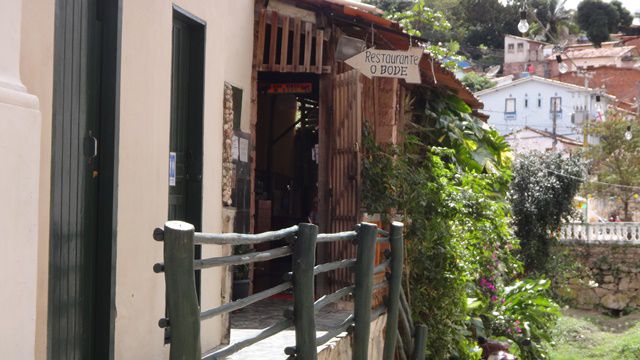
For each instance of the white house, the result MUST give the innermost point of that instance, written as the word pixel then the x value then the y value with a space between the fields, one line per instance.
pixel 539 103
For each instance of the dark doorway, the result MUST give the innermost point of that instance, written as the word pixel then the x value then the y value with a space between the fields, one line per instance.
pixel 83 173
pixel 186 136
pixel 286 162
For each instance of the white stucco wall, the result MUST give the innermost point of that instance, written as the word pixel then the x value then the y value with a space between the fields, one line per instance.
pixel 515 56
pixel 36 70
pixel 143 163
pixel 573 99
pixel 20 124
pixel 531 51
pixel 143 166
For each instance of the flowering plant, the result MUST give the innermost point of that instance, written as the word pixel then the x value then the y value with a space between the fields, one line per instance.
pixel 522 313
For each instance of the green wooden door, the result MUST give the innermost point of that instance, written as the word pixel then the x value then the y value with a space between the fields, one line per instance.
pixel 185 192
pixel 79 277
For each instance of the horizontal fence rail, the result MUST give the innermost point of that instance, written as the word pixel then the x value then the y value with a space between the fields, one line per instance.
pixel 184 315
pixel 622 232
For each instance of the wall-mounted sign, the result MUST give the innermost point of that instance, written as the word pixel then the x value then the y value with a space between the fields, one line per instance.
pixel 235 149
pixel 399 64
pixel 290 88
pixel 172 169
pixel 244 150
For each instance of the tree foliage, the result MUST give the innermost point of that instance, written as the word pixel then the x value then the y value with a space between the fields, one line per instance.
pixel 614 159
pixel 476 82
pixel 421 20
pixel 625 15
pixel 484 22
pixel 448 180
pixel 554 21
pixel 541 196
pixel 598 20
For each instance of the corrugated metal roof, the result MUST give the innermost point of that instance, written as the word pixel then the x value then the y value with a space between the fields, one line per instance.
pixel 594 52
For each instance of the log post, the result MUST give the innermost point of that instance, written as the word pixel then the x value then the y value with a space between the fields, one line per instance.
pixel 395 283
pixel 366 241
pixel 304 258
pixel 182 302
pixel 419 342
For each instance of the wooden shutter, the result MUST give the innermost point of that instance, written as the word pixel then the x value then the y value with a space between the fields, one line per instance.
pixel 344 171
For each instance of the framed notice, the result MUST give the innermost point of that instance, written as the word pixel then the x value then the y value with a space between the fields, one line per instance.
pixel 172 169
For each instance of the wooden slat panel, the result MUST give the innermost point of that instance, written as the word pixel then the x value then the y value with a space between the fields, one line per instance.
pixel 344 168
pixel 296 45
pixel 262 28
pixel 284 52
pixel 273 44
pixel 319 41
pixel 307 46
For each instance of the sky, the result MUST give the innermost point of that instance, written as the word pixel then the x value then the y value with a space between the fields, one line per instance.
pixel 631 5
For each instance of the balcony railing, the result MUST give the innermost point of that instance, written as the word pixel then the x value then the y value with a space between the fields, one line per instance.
pixel 621 232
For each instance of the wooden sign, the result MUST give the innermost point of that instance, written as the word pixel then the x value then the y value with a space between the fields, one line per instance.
pixel 290 88
pixel 401 64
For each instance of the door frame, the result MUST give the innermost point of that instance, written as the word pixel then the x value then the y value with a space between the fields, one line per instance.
pixel 110 12
pixel 200 36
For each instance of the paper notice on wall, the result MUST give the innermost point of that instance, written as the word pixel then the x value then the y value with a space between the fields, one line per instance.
pixel 244 150
pixel 235 150
pixel 172 169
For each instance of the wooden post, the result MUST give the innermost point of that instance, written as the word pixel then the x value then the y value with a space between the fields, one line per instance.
pixel 420 342
pixel 182 302
pixel 362 294
pixel 304 258
pixel 395 283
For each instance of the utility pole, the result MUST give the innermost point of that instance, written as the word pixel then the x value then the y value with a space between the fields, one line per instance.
pixel 585 118
pixel 638 99
pixel 554 108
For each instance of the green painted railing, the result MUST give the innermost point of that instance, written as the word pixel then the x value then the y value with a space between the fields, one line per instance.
pixel 184 315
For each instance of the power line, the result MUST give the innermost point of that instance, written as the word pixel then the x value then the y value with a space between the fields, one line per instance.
pixel 594 181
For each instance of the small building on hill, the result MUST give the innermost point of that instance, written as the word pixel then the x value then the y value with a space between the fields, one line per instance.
pixel 585 56
pixel 525 55
pixel 623 83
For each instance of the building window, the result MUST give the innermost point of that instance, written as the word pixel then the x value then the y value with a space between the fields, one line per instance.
pixel 539 101
pixel 510 48
pixel 520 47
pixel 510 109
pixel 526 102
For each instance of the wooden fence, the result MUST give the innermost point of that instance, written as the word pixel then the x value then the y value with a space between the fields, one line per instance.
pixel 184 314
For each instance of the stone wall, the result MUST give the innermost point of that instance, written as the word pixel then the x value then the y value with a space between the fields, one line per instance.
pixel 340 347
pixel 610 275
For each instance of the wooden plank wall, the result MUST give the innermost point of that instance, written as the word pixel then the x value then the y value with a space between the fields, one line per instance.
pixel 287 44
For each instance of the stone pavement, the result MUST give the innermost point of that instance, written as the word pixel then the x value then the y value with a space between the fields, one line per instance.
pixel 252 319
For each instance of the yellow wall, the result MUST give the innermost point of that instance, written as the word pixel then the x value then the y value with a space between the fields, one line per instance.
pixel 144 144
pixel 143 153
